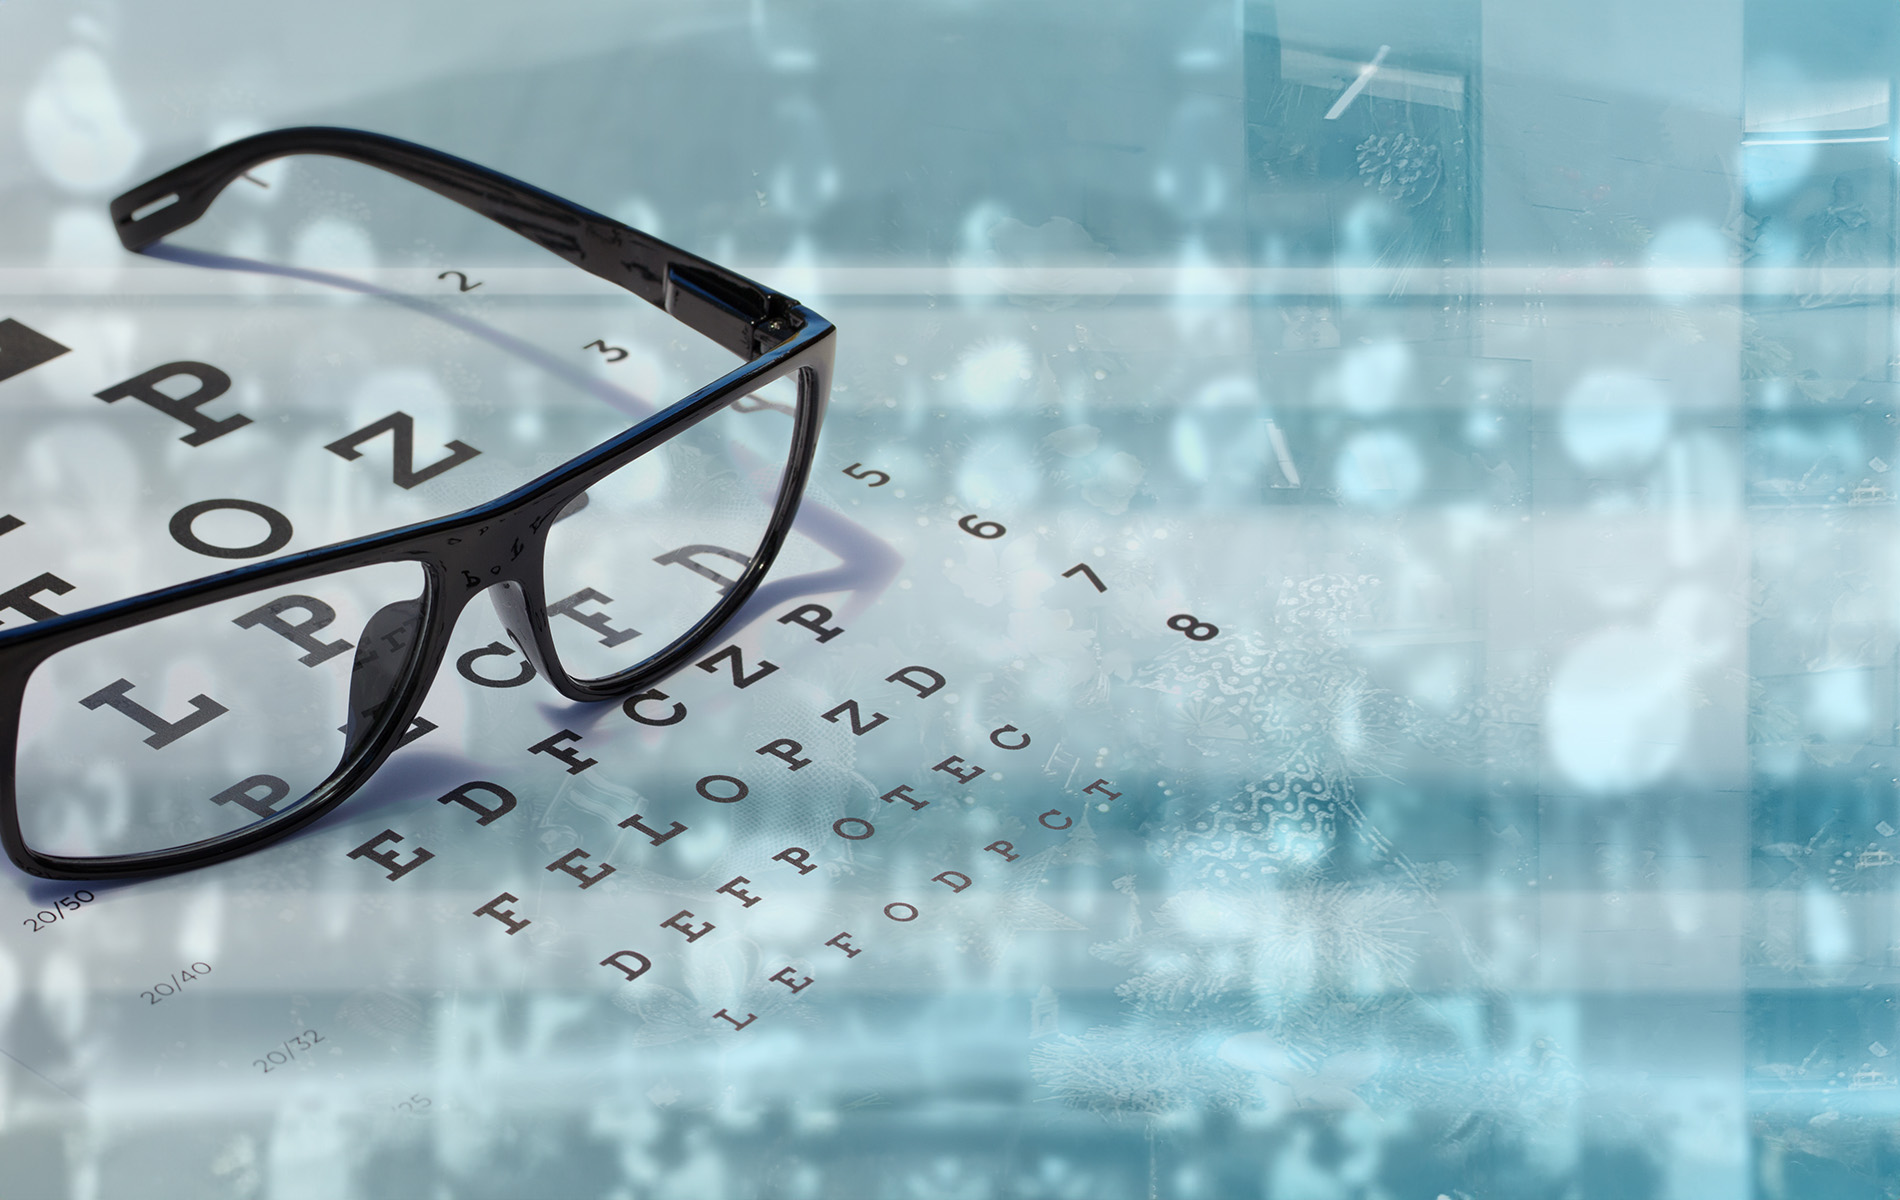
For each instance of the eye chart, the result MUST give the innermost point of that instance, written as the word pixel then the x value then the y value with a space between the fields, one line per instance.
pixel 845 868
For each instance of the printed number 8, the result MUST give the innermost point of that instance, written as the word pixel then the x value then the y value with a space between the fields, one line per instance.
pixel 1196 629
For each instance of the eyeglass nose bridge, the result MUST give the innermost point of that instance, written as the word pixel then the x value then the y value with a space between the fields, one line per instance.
pixel 501 556
pixel 496 549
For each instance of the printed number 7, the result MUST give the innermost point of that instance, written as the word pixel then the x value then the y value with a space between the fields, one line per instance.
pixel 882 478
pixel 1087 574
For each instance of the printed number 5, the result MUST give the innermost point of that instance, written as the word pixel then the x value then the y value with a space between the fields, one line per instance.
pixel 882 478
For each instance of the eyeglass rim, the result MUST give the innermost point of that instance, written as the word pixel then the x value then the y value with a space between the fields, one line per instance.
pixel 806 348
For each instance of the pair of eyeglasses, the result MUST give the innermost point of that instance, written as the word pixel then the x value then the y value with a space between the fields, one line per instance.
pixel 203 721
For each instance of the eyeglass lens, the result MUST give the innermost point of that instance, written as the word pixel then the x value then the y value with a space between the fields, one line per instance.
pixel 199 724
pixel 656 545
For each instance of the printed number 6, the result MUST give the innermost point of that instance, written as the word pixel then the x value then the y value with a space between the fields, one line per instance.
pixel 982 529
pixel 882 478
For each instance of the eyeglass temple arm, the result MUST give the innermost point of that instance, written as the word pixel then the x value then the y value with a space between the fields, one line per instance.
pixel 725 306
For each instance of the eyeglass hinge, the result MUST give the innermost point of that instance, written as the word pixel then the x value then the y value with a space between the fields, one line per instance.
pixel 743 317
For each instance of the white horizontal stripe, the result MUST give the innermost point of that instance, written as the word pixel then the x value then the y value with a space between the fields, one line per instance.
pixel 1639 283
pixel 1810 141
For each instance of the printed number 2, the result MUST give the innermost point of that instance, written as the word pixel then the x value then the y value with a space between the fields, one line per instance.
pixel 882 477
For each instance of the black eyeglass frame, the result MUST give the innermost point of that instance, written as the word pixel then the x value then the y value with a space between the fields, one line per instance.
pixel 497 547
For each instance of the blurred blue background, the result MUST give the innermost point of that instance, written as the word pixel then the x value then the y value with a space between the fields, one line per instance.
pixel 1513 385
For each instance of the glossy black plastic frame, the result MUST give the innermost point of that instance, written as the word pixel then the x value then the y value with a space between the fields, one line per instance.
pixel 498 545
